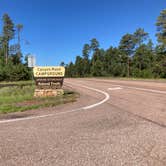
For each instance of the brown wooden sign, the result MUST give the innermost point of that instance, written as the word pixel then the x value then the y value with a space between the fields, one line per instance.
pixel 49 77
pixel 49 82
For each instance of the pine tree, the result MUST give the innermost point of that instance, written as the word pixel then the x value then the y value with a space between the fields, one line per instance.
pixel 161 27
pixel 8 34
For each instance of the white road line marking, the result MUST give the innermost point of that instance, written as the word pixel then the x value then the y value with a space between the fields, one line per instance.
pixel 65 112
pixel 99 103
pixel 148 90
pixel 143 89
pixel 116 88
pixel 133 87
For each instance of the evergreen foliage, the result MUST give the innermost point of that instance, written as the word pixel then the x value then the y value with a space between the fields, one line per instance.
pixel 11 66
pixel 136 56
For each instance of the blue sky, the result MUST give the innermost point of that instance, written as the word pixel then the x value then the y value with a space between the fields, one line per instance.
pixel 58 29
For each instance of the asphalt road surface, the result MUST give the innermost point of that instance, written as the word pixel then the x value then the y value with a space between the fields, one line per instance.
pixel 113 123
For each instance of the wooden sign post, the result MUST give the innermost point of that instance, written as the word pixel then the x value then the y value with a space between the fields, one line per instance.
pixel 49 80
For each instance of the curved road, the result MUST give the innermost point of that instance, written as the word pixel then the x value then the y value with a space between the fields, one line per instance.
pixel 114 122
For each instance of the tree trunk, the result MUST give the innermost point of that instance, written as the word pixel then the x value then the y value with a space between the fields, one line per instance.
pixel 6 53
pixel 128 67
pixel 19 53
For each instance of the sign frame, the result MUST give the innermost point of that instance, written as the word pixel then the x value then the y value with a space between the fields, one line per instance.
pixel 49 77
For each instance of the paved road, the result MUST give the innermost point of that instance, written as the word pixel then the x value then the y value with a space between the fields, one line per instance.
pixel 113 123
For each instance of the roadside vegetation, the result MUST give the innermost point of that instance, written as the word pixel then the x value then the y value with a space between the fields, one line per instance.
pixel 16 93
pixel 19 97
pixel 136 56
pixel 12 65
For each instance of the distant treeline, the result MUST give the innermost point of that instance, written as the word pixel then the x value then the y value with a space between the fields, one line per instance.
pixel 11 66
pixel 136 56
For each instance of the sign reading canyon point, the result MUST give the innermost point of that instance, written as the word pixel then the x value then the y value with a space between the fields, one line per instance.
pixel 49 77
pixel 51 71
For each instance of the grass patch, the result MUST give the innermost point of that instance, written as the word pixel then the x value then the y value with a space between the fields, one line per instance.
pixel 20 98
pixel 17 83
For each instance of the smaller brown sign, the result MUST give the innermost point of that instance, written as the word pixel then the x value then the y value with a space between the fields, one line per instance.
pixel 49 82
